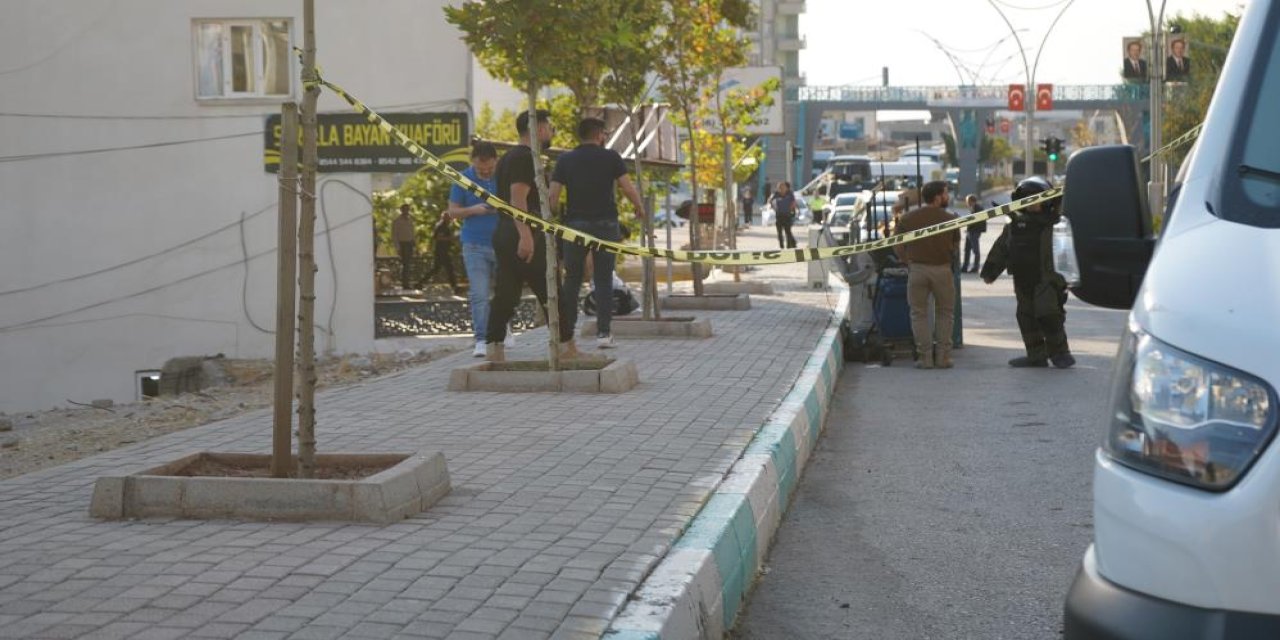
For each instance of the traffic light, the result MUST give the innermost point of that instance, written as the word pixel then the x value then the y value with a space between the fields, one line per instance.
pixel 1052 147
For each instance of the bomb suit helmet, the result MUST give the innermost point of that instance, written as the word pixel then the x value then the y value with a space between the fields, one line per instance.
pixel 1031 186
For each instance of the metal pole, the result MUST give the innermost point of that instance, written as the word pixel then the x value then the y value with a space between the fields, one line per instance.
pixel 286 294
pixel 1155 73
pixel 1029 95
pixel 919 176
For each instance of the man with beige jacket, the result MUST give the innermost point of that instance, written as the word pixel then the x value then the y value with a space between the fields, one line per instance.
pixel 929 263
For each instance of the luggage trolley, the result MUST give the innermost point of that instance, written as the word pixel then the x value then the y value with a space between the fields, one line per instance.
pixel 887 332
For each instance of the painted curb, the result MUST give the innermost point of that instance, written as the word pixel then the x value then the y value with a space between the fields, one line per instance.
pixel 701 585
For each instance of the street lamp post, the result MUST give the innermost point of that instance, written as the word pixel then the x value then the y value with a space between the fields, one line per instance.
pixel 1155 67
pixel 1028 101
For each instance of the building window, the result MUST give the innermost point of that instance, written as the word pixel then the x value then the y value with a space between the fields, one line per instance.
pixel 242 58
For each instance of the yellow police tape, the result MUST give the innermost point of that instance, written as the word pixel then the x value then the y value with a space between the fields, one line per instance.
pixel 723 258
pixel 1177 142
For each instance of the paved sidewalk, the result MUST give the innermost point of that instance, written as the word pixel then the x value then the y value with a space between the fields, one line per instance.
pixel 561 503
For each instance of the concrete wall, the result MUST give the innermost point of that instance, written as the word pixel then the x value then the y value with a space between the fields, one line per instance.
pixel 128 67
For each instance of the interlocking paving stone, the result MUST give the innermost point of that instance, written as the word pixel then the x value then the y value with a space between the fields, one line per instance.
pixel 561 503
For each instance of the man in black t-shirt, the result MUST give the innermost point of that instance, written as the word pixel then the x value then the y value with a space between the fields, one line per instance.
pixel 591 173
pixel 520 252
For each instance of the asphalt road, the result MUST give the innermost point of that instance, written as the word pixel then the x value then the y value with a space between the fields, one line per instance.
pixel 945 503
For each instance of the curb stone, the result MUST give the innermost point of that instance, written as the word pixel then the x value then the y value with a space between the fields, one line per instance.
pixel 700 587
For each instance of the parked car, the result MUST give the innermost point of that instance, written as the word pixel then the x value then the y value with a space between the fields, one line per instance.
pixel 1186 484
pixel 845 220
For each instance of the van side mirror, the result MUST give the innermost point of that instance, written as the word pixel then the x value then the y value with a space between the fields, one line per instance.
pixel 1106 201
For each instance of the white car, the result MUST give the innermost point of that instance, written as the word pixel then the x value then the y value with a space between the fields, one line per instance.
pixel 1186 485
pixel 845 219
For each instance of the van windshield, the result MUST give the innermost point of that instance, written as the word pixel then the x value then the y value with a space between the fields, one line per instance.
pixel 1252 190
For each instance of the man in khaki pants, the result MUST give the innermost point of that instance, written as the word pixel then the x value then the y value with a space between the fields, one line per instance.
pixel 929 263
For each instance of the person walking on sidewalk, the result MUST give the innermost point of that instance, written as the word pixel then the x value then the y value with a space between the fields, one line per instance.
pixel 748 203
pixel 972 236
pixel 783 202
pixel 929 263
pixel 591 173
pixel 478 223
pixel 1025 250
pixel 403 235
pixel 520 252
pixel 442 253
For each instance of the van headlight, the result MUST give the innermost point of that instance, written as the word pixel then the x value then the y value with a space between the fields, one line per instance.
pixel 1184 418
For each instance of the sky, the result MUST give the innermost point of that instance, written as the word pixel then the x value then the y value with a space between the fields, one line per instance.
pixel 848 41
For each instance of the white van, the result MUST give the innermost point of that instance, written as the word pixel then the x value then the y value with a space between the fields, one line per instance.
pixel 1187 481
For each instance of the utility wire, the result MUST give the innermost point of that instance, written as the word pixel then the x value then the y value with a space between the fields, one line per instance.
pixel 244 284
pixel 28 324
pixel 85 152
pixel 139 259
pixel 90 116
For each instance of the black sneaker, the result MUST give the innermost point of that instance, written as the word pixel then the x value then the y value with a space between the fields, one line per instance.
pixel 1063 360
pixel 1027 361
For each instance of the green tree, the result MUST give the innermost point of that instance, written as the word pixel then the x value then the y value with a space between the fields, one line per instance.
pixel 524 43
pixel 691 58
pixel 496 127
pixel 1082 136
pixel 630 56
pixel 426 193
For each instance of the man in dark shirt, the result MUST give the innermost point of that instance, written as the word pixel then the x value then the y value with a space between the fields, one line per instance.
pixel 973 237
pixel 520 252
pixel 591 173
pixel 929 263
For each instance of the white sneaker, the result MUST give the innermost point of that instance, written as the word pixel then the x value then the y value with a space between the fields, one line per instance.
pixel 605 342
pixel 479 351
pixel 510 341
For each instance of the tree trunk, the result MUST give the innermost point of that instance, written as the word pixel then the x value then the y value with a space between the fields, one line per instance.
pixel 553 289
pixel 286 294
pixel 730 200
pixel 649 295
pixel 307 257
pixel 695 268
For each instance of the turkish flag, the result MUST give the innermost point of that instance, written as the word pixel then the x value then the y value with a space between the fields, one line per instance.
pixel 1044 97
pixel 1017 97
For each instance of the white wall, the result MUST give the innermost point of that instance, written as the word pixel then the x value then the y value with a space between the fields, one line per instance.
pixel 66 216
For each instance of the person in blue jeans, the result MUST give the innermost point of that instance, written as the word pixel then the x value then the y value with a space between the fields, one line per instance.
pixel 478 222
pixel 590 172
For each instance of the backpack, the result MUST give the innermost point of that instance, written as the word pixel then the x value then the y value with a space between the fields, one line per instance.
pixel 624 301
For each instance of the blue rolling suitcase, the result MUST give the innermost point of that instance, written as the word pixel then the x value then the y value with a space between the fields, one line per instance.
pixel 893 314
